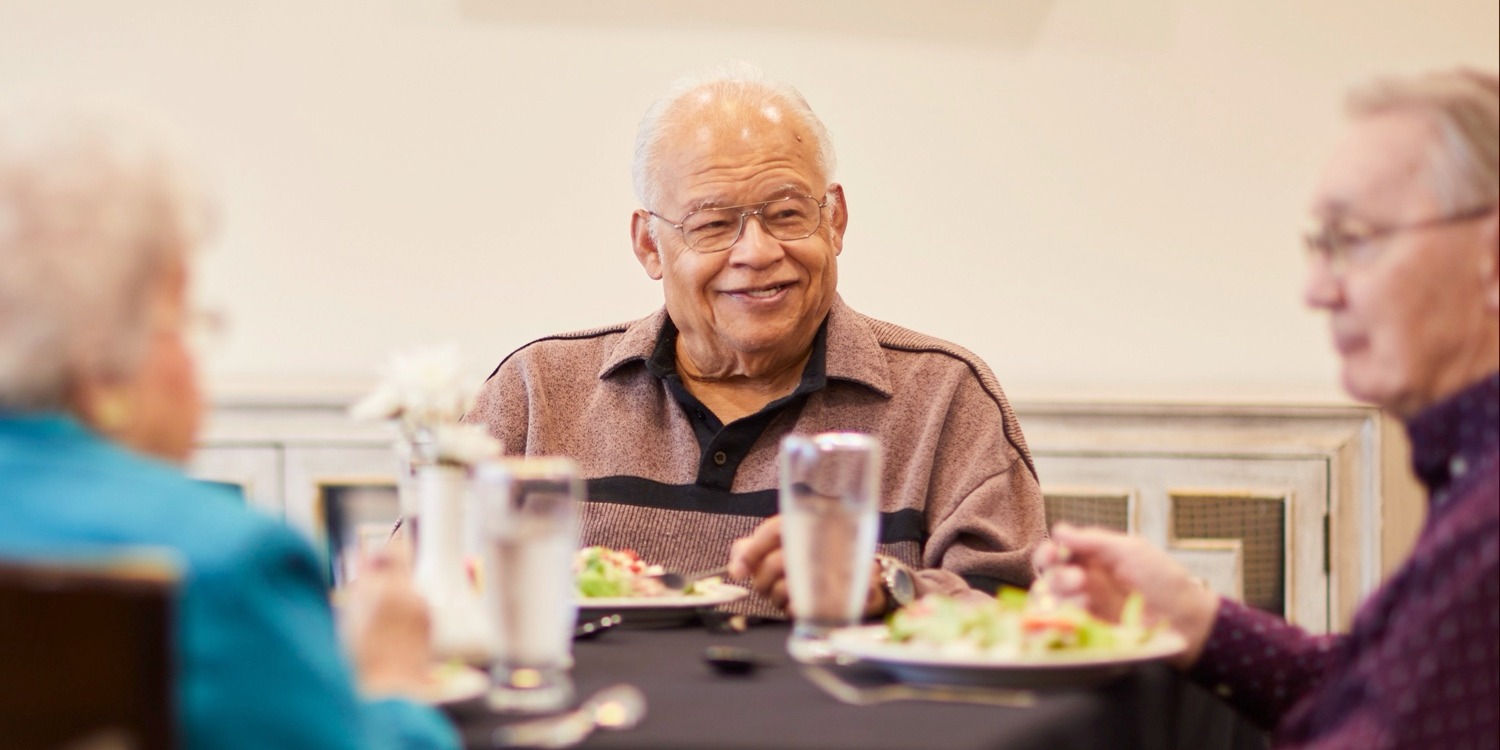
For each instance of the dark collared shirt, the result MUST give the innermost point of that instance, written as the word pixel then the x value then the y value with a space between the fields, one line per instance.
pixel 725 446
pixel 1420 668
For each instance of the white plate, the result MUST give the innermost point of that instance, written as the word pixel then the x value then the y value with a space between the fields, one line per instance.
pixel 923 663
pixel 658 610
pixel 454 683
pixel 721 594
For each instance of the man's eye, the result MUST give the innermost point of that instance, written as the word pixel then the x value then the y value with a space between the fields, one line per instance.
pixel 709 226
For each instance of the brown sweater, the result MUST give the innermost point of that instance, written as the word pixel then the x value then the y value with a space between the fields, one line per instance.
pixel 960 497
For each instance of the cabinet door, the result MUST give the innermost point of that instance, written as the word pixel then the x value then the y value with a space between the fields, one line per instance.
pixel 253 469
pixel 1252 527
pixel 312 473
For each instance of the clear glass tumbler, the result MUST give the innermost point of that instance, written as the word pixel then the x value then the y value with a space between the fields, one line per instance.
pixel 529 511
pixel 830 515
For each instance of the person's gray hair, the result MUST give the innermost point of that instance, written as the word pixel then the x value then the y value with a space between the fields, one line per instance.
pixel 741 81
pixel 94 210
pixel 1463 161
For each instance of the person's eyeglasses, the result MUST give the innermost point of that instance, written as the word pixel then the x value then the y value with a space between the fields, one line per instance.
pixel 1343 248
pixel 203 330
pixel 710 230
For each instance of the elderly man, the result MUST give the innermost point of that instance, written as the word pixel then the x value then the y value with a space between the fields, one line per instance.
pixel 676 418
pixel 1406 261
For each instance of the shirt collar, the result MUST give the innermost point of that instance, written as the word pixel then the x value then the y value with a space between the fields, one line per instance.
pixel 852 353
pixel 1454 436
pixel 41 424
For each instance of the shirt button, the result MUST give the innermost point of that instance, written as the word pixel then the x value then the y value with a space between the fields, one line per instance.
pixel 1458 466
pixel 720 458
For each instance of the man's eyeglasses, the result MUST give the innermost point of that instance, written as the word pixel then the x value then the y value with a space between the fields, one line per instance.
pixel 1343 247
pixel 710 230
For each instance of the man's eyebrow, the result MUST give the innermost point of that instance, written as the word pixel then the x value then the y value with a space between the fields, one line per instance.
pixel 778 192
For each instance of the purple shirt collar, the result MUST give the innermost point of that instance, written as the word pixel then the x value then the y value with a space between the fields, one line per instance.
pixel 1456 436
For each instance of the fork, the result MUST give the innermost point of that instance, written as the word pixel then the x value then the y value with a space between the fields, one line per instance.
pixel 861 695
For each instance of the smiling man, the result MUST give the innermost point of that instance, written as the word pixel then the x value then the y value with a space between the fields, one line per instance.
pixel 676 418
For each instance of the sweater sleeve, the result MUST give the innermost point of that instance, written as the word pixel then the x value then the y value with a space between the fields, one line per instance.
pixel 984 508
pixel 1261 664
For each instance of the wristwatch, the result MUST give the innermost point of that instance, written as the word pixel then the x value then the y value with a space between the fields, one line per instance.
pixel 897 581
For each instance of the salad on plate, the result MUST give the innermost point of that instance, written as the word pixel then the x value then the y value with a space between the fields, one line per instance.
pixel 1015 626
pixel 606 573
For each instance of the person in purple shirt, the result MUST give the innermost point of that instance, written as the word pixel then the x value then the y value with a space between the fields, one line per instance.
pixel 1406 263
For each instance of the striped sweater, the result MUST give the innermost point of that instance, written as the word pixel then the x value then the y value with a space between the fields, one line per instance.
pixel 960 500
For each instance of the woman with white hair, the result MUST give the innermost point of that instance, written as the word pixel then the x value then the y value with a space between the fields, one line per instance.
pixel 98 405
pixel 1406 262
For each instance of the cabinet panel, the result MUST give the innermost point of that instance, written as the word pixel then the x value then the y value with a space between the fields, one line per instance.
pixel 1245 525
pixel 254 468
pixel 313 471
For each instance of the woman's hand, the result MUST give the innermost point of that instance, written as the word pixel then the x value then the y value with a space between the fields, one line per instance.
pixel 387 625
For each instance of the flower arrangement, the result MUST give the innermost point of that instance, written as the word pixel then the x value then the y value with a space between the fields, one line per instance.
pixel 425 393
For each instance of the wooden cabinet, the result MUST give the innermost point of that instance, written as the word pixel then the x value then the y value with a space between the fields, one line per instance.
pixel 1284 507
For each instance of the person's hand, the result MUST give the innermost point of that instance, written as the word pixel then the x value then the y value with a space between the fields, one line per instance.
pixel 1104 567
pixel 758 558
pixel 387 625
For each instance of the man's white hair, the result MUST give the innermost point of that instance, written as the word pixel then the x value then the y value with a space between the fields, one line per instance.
pixel 739 81
pixel 1463 161
pixel 93 211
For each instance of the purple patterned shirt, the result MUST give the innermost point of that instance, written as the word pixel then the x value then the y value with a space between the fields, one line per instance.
pixel 1420 668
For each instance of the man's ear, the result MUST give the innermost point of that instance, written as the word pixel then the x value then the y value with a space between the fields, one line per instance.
pixel 647 252
pixel 838 216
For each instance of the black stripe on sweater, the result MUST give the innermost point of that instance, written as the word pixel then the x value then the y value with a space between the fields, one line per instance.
pixel 905 525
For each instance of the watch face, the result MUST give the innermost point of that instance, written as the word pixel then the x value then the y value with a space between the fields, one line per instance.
pixel 898 582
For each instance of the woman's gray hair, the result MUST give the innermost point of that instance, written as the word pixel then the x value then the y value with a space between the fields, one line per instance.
pixel 1463 161
pixel 94 210
pixel 741 81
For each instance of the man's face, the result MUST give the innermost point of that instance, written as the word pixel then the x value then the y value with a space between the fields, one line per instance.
pixel 1408 321
pixel 762 297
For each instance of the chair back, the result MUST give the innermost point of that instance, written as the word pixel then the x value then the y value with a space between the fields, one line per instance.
pixel 86 655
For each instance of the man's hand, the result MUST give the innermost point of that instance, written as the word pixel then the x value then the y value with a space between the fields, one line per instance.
pixel 387 625
pixel 1104 567
pixel 758 557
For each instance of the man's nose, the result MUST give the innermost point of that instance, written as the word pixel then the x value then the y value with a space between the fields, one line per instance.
pixel 755 246
pixel 1323 289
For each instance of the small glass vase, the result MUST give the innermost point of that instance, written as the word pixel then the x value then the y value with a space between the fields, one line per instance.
pixel 443 575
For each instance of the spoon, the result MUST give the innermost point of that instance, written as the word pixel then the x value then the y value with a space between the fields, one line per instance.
pixel 595 627
pixel 619 706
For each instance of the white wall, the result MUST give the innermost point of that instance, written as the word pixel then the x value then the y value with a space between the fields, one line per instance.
pixel 1092 194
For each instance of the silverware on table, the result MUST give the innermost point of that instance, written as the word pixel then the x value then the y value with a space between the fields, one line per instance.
pixel 592 628
pixel 619 706
pixel 854 694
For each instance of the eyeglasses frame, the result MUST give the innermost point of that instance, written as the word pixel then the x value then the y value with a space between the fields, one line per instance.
pixel 759 212
pixel 1336 252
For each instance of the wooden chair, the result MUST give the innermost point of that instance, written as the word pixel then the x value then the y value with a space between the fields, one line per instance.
pixel 86 655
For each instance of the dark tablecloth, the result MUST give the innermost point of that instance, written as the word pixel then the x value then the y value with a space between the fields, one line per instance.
pixel 691 707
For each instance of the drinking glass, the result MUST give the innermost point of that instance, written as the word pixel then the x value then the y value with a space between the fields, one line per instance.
pixel 829 503
pixel 529 511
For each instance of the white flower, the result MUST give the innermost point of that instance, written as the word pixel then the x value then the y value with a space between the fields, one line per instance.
pixel 382 403
pixel 424 388
pixel 464 444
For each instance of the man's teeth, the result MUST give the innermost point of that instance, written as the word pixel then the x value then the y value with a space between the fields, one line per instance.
pixel 762 293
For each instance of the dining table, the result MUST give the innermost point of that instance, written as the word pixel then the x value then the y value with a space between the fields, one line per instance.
pixel 693 706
